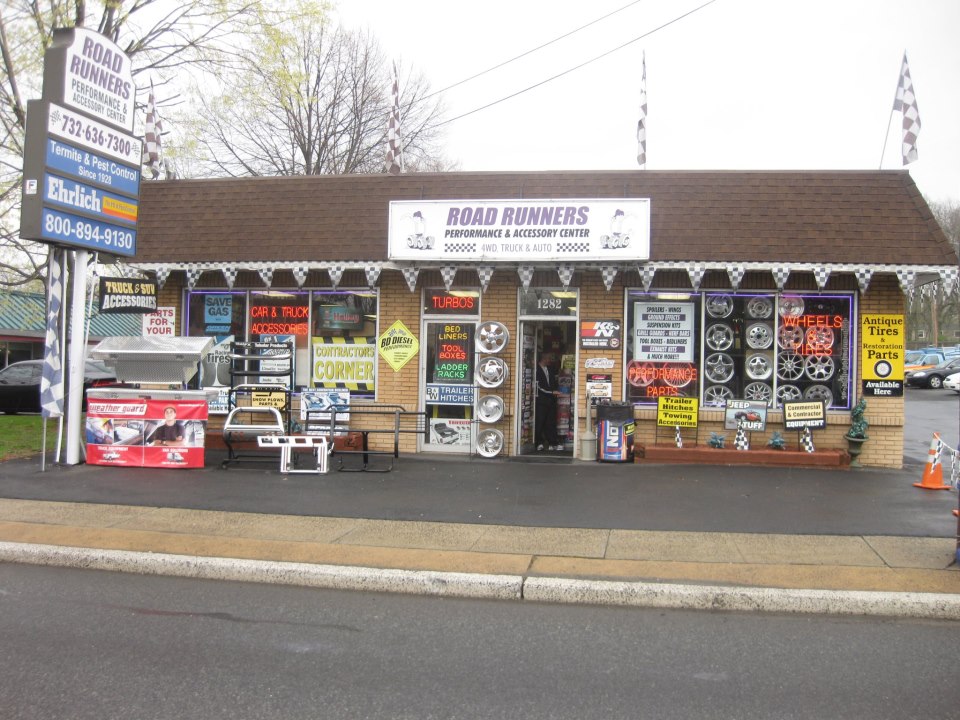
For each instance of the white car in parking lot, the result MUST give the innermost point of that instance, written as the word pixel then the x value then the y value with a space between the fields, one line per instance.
pixel 952 382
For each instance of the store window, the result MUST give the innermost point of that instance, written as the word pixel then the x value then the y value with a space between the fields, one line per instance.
pixel 278 316
pixel 754 346
pixel 222 316
pixel 663 345
pixel 343 345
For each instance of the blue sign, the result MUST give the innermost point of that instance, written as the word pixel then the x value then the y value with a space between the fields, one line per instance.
pixel 93 201
pixel 449 394
pixel 217 309
pixel 86 233
pixel 91 167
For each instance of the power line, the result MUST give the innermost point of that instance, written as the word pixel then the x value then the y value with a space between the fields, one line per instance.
pixel 576 67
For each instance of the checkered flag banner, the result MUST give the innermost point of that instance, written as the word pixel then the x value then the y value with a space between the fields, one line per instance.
pixel 822 275
pixel 373 274
pixel 51 378
pixel 394 150
pixel 806 440
pixel 566 274
pixel 780 276
pixel 153 129
pixel 949 277
pixel 906 102
pixel 696 273
pixel 336 274
pixel 526 275
pixel 609 274
pixel 300 275
pixel 646 275
pixel 230 275
pixel 678 438
pixel 863 277
pixel 193 274
pixel 485 273
pixel 162 274
pixel 448 273
pixel 266 275
pixel 736 273
pixel 410 275
pixel 741 442
pixel 642 122
pixel 907 278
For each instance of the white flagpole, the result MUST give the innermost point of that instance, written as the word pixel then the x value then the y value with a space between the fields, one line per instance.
pixel 893 109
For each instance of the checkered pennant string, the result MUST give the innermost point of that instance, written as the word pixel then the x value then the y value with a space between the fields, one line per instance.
pixel 821 275
pixel 678 438
pixel 335 273
pixel 949 277
pixel 646 275
pixel 51 377
pixel 230 275
pixel 565 271
pixel 162 274
pixel 193 275
pixel 907 278
pixel 485 273
pixel 906 102
pixel 806 440
pixel 642 122
pixel 300 275
pixel 394 149
pixel 448 273
pixel 741 442
pixel 609 274
pixel 736 273
pixel 954 471
pixel 863 277
pixel 526 275
pixel 153 129
pixel 373 274
pixel 410 275
pixel 780 276
pixel 696 273
pixel 266 274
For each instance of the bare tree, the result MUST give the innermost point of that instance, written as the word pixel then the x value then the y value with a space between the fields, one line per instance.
pixel 313 99
pixel 934 313
pixel 159 36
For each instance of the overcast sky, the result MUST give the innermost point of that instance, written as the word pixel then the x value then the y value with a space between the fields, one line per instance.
pixel 738 84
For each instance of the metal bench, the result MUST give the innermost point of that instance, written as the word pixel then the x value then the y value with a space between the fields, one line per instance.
pixel 370 419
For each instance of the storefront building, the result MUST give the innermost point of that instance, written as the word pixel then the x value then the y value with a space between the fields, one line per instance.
pixel 709 286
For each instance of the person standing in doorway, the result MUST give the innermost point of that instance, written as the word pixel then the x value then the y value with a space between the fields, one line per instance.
pixel 545 434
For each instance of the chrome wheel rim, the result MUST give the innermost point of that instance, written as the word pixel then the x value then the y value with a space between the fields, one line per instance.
pixel 717 395
pixel 759 336
pixel 819 367
pixel 719 306
pixel 789 366
pixel 719 368
pixel 758 391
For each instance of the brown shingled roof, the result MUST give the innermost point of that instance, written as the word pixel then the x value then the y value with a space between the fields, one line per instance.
pixel 756 216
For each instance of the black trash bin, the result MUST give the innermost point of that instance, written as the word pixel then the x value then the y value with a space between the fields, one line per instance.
pixel 615 428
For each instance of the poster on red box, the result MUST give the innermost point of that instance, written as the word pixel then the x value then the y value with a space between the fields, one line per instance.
pixel 138 432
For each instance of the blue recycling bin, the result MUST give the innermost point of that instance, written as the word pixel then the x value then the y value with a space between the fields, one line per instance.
pixel 615 430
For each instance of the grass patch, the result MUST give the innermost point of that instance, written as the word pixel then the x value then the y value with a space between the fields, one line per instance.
pixel 22 435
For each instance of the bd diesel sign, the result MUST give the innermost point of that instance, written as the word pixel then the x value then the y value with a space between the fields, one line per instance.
pixel 81 167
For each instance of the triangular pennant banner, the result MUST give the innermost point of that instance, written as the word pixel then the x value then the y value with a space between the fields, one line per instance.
pixel 266 274
pixel 863 277
pixel 448 273
pixel 566 274
pixel 373 274
pixel 609 274
pixel 646 275
pixel 696 273
pixel 736 273
pixel 300 275
pixel 526 275
pixel 907 278
pixel 821 275
pixel 335 273
pixel 780 276
pixel 162 274
pixel 410 275
pixel 484 272
pixel 230 275
pixel 193 274
pixel 949 276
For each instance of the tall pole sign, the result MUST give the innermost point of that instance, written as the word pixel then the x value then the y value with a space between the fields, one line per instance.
pixel 81 164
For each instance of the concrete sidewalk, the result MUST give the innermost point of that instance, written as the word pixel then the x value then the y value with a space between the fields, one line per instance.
pixel 885 575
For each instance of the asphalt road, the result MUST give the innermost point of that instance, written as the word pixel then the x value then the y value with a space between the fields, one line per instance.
pixel 82 644
pixel 927 412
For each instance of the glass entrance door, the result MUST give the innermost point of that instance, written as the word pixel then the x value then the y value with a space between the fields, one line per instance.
pixel 449 384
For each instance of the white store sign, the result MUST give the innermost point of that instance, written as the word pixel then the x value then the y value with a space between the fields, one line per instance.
pixel 663 331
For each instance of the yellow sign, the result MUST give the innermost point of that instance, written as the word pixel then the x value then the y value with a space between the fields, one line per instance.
pixel 276 400
pixel 881 347
pixel 398 346
pixel 673 411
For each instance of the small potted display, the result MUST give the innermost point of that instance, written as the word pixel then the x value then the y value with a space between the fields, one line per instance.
pixel 857 434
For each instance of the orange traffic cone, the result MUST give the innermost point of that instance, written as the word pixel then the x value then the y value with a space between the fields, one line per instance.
pixel 933 471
